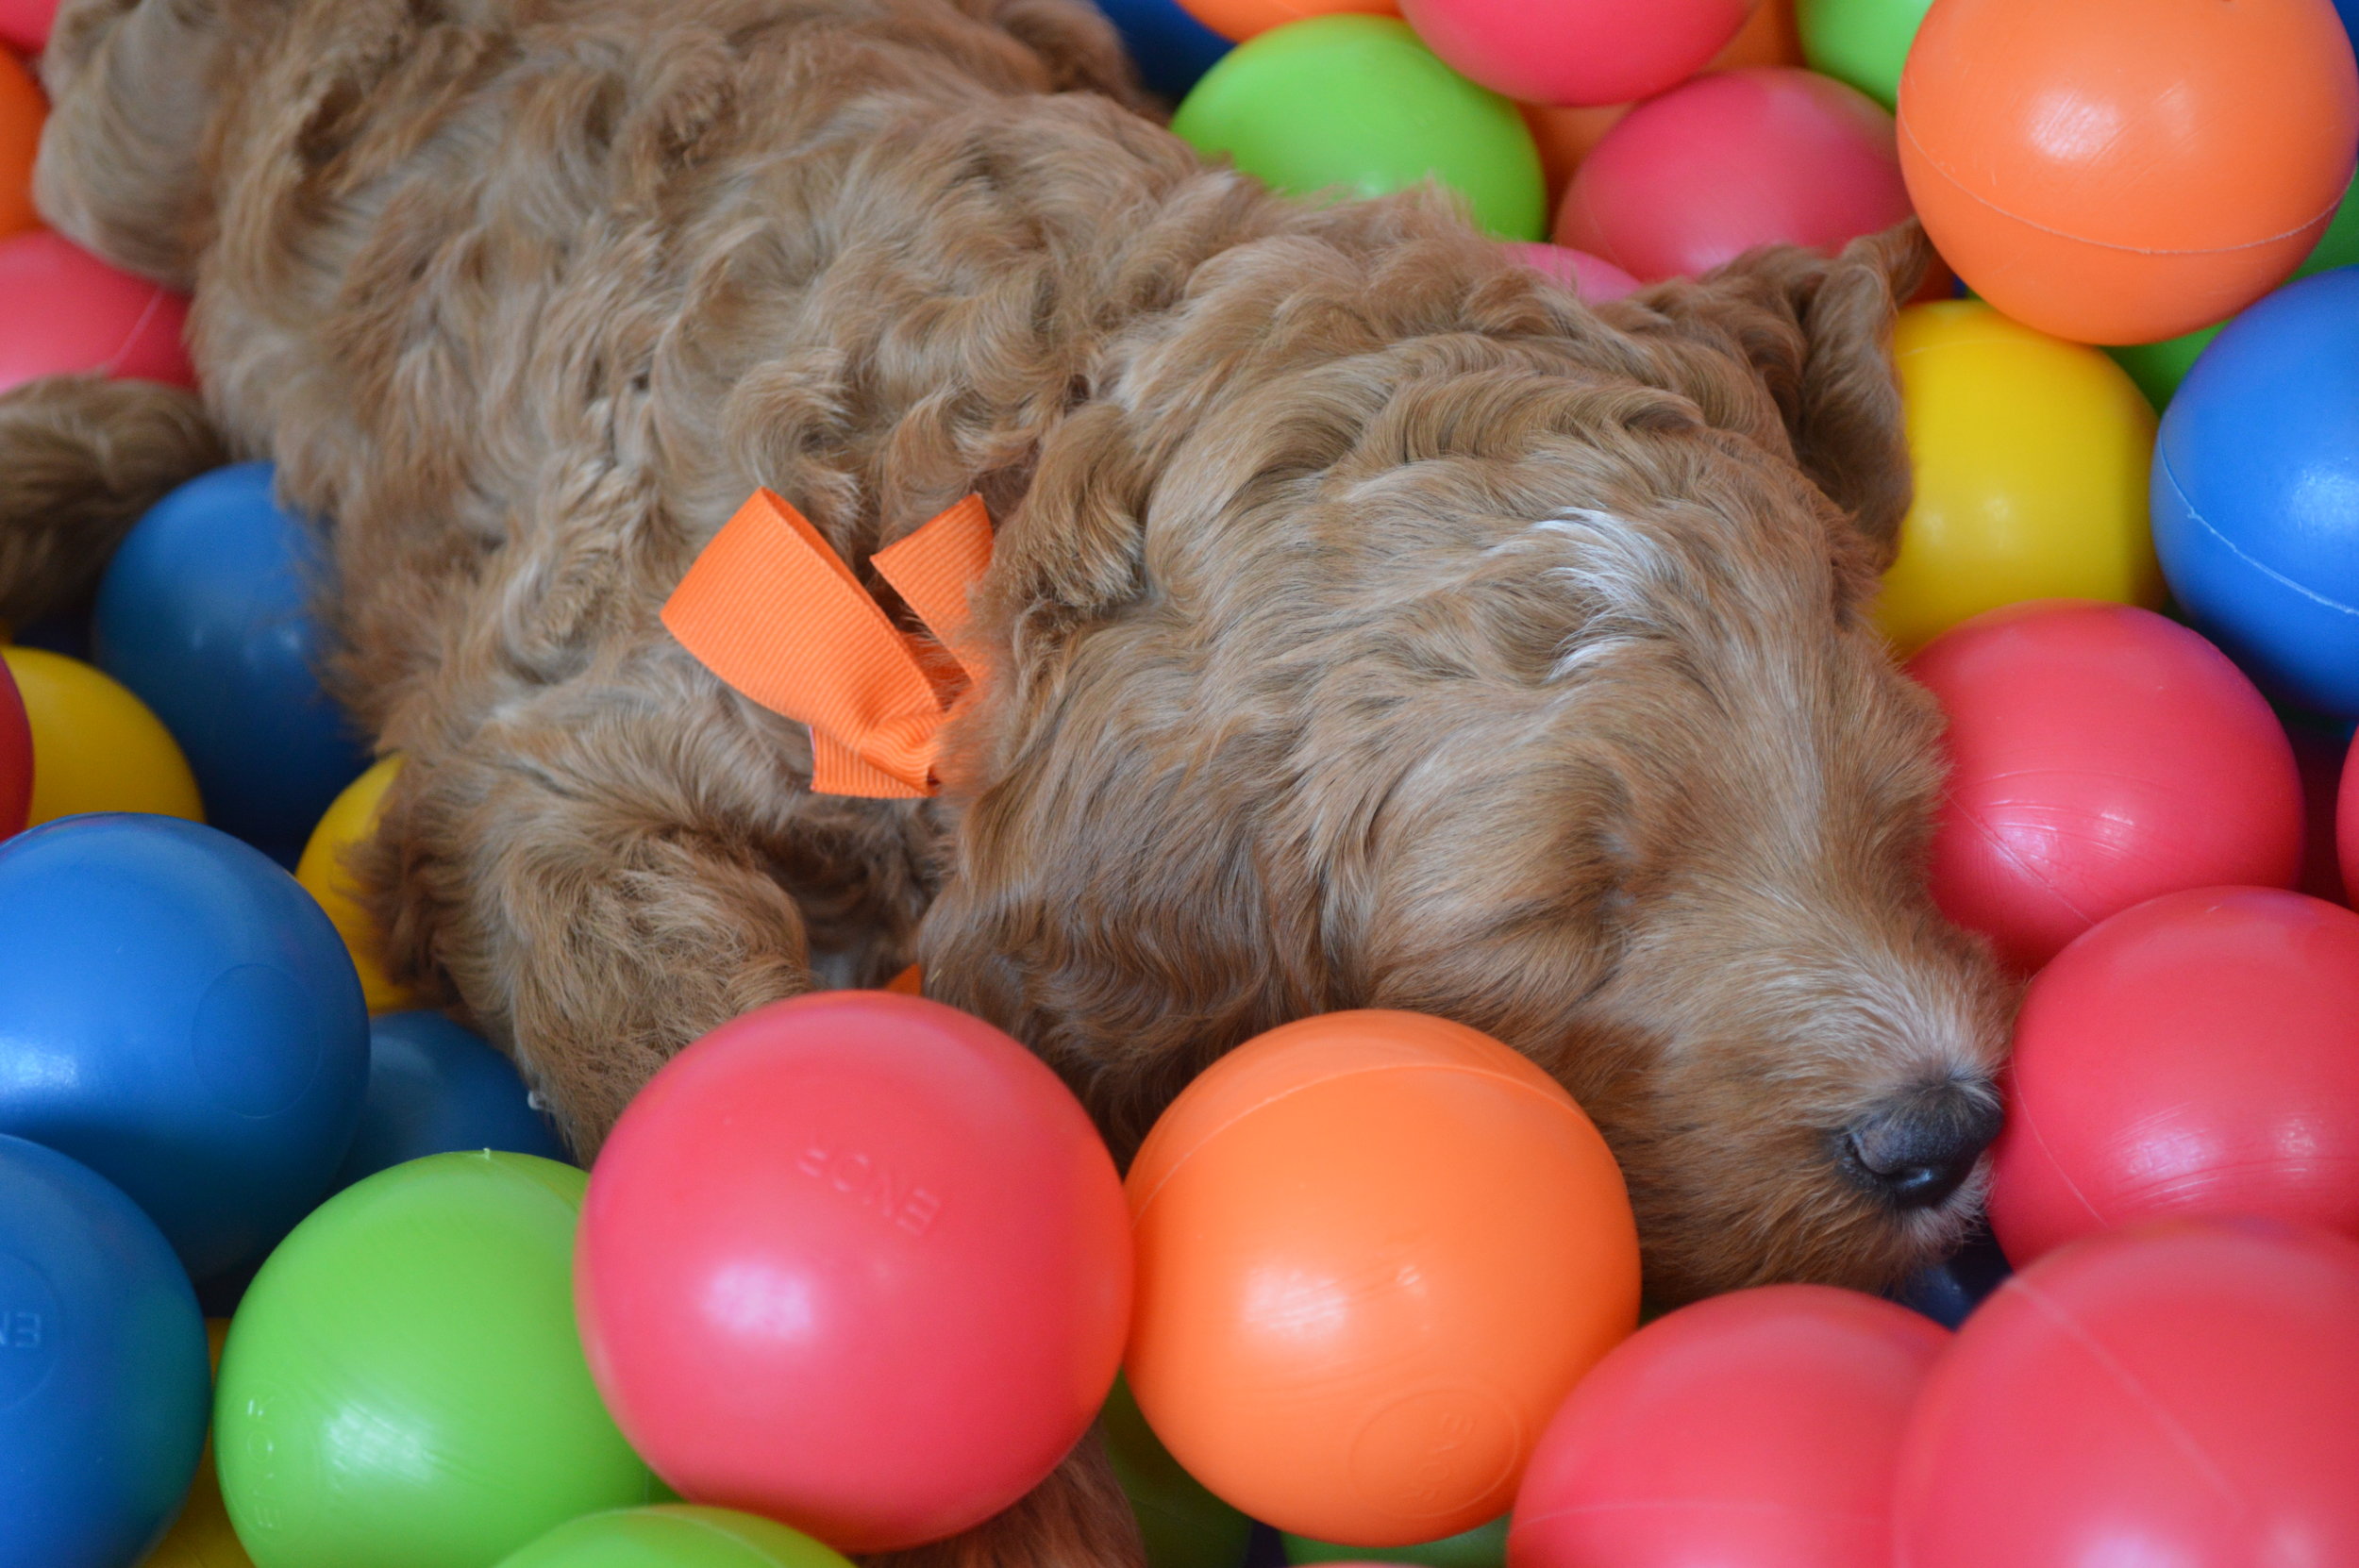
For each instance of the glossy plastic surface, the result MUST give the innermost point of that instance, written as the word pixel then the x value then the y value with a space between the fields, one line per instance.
pixel 403 1386
pixel 1172 48
pixel 1182 1525
pixel 202 1536
pixel 2120 170
pixel 2196 1055
pixel 1756 1428
pixel 1375 1250
pixel 857 1262
pixel 205 614
pixel 1356 106
pixel 1594 280
pixel 350 819
pixel 1582 52
pixel 1861 43
pixel 2256 492
pixel 95 746
pixel 2179 1393
pixel 673 1535
pixel 63 312
pixel 102 1393
pixel 22 111
pixel 1484 1546
pixel 2029 457
pixel 2100 755
pixel 1239 20
pixel 16 756
pixel 434 1088
pixel 1730 160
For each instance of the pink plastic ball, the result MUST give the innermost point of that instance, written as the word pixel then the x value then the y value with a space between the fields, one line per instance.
pixel 1594 280
pixel 1730 160
pixel 1577 51
pixel 2100 755
pixel 1756 1428
pixel 63 310
pixel 25 24
pixel 2196 1055
pixel 856 1261
pixel 2182 1392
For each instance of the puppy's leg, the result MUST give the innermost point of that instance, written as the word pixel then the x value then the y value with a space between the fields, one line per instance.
pixel 1076 1518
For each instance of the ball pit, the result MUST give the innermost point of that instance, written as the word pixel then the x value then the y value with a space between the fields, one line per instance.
pixel 673 1535
pixel 1863 44
pixel 178 1015
pixel 22 111
pixel 16 756
pixel 2121 171
pixel 2196 1055
pixel 202 1536
pixel 1173 48
pixel 857 1262
pixel 205 614
pixel 2100 756
pixel 1730 160
pixel 95 747
pixel 403 1386
pixel 1455 1249
pixel 25 24
pixel 2254 472
pixel 2030 457
pixel 1239 20
pixel 1484 1546
pixel 434 1088
pixel 1182 1525
pixel 102 1369
pixel 2185 1389
pixel 1756 1428
pixel 322 869
pixel 1582 52
pixel 62 310
pixel 1356 105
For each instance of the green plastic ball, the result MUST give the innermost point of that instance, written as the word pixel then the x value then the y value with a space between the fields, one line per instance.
pixel 1864 42
pixel 1183 1525
pixel 1355 105
pixel 403 1385
pixel 1484 1546
pixel 679 1536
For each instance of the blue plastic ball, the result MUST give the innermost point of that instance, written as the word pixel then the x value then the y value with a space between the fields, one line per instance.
pixel 1171 48
pixel 205 613
pixel 178 1014
pixel 104 1391
pixel 434 1088
pixel 2257 492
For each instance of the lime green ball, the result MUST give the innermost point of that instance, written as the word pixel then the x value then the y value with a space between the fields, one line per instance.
pixel 403 1386
pixel 1484 1546
pixel 1864 42
pixel 1183 1525
pixel 1355 105
pixel 675 1537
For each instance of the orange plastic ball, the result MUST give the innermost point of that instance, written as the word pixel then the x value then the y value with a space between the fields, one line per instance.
pixel 1375 1252
pixel 22 111
pixel 2124 171
pixel 1238 20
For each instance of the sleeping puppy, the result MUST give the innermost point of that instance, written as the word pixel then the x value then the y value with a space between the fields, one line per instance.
pixel 1371 624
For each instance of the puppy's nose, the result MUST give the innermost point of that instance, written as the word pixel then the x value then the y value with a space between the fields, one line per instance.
pixel 1918 1150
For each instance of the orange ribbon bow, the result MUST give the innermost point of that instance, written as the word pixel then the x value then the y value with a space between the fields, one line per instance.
pixel 770 609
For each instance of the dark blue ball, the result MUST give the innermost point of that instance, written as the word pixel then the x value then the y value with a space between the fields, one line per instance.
pixel 1948 1291
pixel 104 1391
pixel 1171 47
pixel 176 1013
pixel 436 1088
pixel 205 613
pixel 2257 492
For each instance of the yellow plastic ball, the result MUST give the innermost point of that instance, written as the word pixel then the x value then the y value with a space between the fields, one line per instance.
pixel 95 746
pixel 351 819
pixel 2030 460
pixel 201 1537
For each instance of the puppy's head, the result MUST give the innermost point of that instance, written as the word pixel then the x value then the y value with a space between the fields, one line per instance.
pixel 1427 642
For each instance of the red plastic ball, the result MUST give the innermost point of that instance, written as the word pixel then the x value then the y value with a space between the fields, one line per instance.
pixel 2186 1391
pixel 2347 822
pixel 25 24
pixel 16 756
pixel 1577 51
pixel 1730 160
pixel 63 310
pixel 857 1262
pixel 1596 281
pixel 1755 1428
pixel 2196 1055
pixel 2100 755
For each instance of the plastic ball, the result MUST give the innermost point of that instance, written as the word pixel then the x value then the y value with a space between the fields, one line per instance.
pixel 22 111
pixel 2254 478
pixel 1239 20
pixel 1181 1524
pixel 1172 48
pixel 95 746
pixel 673 1535
pixel 102 1391
pixel 402 1384
pixel 2181 1392
pixel 64 312
pixel 1484 1546
pixel 176 1014
pixel 2030 458
pixel 2120 170
pixel 1356 105
pixel 202 1536
pixel 1598 282
pixel 1577 51
pixel 1732 160
pixel 2100 755
pixel 1754 1428
pixel 1863 44
pixel 2196 1055
pixel 857 1262
pixel 1375 1250
pixel 16 756
pixel 25 24
pixel 205 614
pixel 434 1088
pixel 322 868
pixel 2347 822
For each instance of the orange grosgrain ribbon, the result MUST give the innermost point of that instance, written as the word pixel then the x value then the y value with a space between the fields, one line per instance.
pixel 770 609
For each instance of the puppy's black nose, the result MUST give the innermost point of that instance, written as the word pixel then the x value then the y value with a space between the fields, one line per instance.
pixel 1918 1150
